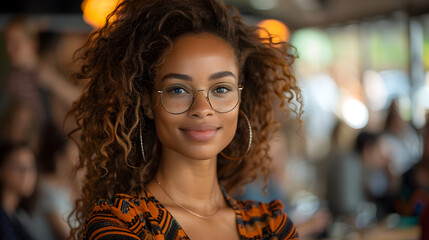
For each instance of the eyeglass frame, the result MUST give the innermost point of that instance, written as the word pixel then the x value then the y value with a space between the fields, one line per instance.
pixel 206 97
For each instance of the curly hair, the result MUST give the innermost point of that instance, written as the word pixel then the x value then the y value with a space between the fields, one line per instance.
pixel 120 62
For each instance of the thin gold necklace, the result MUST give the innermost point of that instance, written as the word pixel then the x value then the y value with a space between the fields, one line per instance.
pixel 184 208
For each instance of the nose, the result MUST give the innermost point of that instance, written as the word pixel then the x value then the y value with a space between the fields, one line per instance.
pixel 200 106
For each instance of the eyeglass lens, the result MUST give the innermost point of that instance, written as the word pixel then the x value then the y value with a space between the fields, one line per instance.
pixel 178 98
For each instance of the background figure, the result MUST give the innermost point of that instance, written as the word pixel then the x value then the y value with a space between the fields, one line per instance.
pixel 414 191
pixel 41 63
pixel 22 83
pixel 421 178
pixel 379 184
pixel 18 178
pixel 342 172
pixel 55 67
pixel 17 124
pixel 36 95
pixel 57 157
pixel 401 142
pixel 424 222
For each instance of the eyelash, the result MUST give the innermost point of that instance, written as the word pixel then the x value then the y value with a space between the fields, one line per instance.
pixel 222 87
pixel 173 90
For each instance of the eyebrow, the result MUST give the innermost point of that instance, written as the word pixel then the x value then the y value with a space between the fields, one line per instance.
pixel 222 75
pixel 177 76
pixel 185 77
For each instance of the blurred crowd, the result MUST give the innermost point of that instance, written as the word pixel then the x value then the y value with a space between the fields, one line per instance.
pixel 378 180
pixel 38 188
pixel 366 178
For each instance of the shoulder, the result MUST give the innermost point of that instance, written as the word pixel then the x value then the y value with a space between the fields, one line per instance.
pixel 121 217
pixel 258 218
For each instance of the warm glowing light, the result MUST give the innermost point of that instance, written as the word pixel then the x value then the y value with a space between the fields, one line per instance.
pixel 95 11
pixel 355 113
pixel 276 28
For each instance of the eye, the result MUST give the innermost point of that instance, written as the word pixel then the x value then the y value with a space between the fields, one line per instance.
pixel 177 90
pixel 220 89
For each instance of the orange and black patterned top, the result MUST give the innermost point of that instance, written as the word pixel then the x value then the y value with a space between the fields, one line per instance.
pixel 129 218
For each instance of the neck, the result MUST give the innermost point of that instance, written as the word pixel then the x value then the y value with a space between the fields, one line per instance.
pixel 10 202
pixel 190 181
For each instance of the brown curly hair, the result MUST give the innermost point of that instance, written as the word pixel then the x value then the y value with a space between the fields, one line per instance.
pixel 120 62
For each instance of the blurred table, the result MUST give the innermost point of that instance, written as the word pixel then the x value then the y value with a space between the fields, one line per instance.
pixel 380 232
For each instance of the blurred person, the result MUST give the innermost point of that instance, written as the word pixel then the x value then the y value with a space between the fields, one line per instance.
pixel 379 183
pixel 414 191
pixel 54 78
pixel 22 82
pixel 35 78
pixel 18 176
pixel 421 180
pixel 177 112
pixel 401 142
pixel 57 157
pixel 342 172
pixel 424 222
pixel 17 124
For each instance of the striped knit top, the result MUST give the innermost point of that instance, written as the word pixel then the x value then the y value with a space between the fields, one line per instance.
pixel 126 217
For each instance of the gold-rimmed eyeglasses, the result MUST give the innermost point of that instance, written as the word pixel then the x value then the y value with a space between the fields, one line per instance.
pixel 177 98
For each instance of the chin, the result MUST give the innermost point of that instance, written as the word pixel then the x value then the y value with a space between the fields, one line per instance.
pixel 200 153
pixel 195 150
pixel 197 155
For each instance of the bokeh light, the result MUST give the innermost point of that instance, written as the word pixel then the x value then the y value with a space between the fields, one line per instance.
pixel 314 46
pixel 276 28
pixel 355 113
pixel 375 89
pixel 95 12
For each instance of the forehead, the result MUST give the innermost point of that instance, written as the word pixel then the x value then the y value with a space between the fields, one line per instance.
pixel 199 52
pixel 201 42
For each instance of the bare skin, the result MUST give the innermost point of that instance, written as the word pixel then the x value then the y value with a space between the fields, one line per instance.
pixel 10 202
pixel 187 169
pixel 21 48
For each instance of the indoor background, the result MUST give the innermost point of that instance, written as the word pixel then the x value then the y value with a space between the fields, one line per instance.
pixel 354 170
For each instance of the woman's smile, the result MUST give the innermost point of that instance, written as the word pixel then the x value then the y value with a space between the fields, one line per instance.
pixel 200 133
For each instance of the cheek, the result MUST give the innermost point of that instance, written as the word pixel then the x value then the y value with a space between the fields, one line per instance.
pixel 12 179
pixel 164 125
pixel 230 127
pixel 29 183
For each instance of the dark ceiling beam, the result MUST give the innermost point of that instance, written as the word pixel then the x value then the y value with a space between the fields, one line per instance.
pixel 334 12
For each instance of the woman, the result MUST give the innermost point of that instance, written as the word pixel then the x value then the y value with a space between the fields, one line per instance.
pixel 18 178
pixel 178 112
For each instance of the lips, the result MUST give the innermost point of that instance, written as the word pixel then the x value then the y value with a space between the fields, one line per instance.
pixel 200 133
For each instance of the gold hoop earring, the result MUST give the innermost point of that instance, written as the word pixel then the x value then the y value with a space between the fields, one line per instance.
pixel 141 142
pixel 248 145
